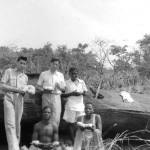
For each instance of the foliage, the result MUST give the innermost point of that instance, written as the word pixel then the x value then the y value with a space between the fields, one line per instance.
pixel 144 61
pixel 123 61
pixel 7 57
pixel 100 63
pixel 102 51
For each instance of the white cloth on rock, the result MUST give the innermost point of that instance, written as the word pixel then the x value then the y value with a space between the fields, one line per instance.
pixel 126 97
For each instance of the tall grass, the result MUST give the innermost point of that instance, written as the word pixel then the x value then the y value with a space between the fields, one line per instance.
pixel 128 137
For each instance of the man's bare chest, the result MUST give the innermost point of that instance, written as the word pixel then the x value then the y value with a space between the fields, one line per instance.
pixel 46 130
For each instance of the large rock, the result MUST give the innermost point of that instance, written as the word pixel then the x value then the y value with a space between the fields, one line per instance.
pixel 116 115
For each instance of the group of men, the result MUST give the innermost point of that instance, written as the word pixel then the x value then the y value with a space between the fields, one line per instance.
pixel 53 86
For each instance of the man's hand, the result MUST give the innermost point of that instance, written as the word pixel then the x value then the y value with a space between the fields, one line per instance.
pixel 56 143
pixel 60 86
pixel 81 128
pixel 90 128
pixel 57 85
pixel 21 92
pixel 47 91
pixel 39 88
pixel 75 93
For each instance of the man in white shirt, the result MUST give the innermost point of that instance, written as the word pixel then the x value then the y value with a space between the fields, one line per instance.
pixel 13 82
pixel 51 83
pixel 75 90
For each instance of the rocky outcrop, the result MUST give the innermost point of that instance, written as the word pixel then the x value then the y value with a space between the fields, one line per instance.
pixel 116 115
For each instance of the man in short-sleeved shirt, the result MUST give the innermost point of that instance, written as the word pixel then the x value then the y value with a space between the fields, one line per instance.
pixel 51 83
pixel 75 90
pixel 13 83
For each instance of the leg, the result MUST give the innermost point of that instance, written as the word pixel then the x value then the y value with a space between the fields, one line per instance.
pixel 18 115
pixel 9 118
pixel 78 113
pixel 78 140
pixel 32 147
pixel 70 117
pixel 55 102
pixel 71 131
pixel 97 141
pixel 57 107
pixel 48 100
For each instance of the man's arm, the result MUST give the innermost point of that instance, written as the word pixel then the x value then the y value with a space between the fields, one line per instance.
pixel 8 88
pixel 39 86
pixel 83 93
pixel 35 133
pixel 79 120
pixel 62 85
pixel 66 95
pixel 74 93
pixel 98 123
pixel 5 79
pixel 84 88
pixel 55 133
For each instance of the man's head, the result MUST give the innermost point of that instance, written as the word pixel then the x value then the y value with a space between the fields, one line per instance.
pixel 55 63
pixel 21 63
pixel 46 113
pixel 89 109
pixel 73 72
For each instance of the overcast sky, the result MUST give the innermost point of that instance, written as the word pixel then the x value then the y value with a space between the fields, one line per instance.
pixel 32 23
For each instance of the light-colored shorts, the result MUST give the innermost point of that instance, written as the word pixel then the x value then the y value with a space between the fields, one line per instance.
pixel 71 115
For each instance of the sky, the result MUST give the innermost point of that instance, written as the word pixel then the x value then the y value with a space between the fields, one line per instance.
pixel 32 23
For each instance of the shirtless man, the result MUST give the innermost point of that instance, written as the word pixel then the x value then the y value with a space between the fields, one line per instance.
pixel 45 132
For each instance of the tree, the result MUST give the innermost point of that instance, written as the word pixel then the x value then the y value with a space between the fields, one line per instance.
pixel 143 64
pixel 79 58
pixel 101 48
pixel 42 57
pixel 123 61
pixel 7 57
pixel 64 55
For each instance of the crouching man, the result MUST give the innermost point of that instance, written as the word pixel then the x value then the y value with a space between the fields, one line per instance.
pixel 45 134
pixel 89 133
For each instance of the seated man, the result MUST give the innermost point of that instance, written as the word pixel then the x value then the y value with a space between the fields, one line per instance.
pixel 45 134
pixel 89 133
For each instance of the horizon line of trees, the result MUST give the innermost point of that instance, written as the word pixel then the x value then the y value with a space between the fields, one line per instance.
pixel 129 68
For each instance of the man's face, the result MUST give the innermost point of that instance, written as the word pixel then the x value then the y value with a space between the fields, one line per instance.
pixel 73 75
pixel 21 65
pixel 47 114
pixel 89 109
pixel 54 65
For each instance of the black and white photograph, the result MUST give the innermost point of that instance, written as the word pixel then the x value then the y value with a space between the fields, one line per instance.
pixel 74 74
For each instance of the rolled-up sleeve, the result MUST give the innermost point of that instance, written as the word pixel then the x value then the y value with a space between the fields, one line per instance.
pixel 84 86
pixel 63 80
pixel 5 77
pixel 41 80
pixel 26 80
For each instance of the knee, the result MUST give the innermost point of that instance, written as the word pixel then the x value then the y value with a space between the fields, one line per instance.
pixel 97 131
pixel 32 147
pixel 9 125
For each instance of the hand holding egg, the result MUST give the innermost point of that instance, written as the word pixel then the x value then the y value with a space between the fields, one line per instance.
pixel 48 89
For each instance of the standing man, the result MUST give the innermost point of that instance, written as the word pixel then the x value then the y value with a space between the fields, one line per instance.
pixel 51 83
pixel 75 90
pixel 13 83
